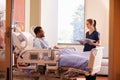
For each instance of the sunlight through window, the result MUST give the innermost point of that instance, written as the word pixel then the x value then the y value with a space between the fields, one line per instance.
pixel 70 21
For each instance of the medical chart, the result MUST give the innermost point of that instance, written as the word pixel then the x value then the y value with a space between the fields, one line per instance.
pixel 86 40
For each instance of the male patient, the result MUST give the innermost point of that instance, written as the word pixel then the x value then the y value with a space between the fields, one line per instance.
pixel 39 41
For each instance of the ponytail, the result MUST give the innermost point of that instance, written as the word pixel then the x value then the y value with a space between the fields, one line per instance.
pixel 94 24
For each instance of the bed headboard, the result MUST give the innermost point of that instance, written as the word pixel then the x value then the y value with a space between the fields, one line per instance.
pixel 95 60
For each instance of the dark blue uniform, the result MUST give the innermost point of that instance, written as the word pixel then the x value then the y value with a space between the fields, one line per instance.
pixel 94 36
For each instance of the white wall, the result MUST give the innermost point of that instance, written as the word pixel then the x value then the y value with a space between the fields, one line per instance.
pixel 49 20
pixel 99 10
pixel 27 13
pixel 96 9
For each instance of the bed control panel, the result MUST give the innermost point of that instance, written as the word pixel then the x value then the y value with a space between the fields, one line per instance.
pixel 34 56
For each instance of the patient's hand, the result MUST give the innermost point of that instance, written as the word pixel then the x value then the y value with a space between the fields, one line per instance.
pixel 55 47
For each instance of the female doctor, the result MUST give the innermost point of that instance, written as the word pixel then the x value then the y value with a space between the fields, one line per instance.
pixel 94 35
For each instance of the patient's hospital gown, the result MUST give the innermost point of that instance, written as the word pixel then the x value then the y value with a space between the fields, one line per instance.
pixel 40 43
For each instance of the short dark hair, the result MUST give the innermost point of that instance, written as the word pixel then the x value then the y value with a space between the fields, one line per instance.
pixel 37 29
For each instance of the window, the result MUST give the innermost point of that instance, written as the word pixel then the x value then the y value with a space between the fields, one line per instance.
pixel 70 21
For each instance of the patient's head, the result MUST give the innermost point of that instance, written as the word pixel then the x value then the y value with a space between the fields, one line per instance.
pixel 39 32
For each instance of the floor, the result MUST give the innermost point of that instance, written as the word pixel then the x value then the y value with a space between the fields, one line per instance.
pixel 98 78
pixel 42 77
pixel 51 76
pixel 102 78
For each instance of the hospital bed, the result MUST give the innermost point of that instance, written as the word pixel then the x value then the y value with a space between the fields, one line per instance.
pixel 29 58
pixel 23 46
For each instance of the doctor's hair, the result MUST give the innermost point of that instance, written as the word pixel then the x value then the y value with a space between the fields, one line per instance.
pixel 92 22
pixel 37 29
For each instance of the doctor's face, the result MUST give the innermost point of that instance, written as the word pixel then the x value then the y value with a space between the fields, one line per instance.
pixel 89 26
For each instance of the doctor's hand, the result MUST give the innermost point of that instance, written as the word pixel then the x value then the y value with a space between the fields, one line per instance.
pixel 81 42
pixel 90 43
